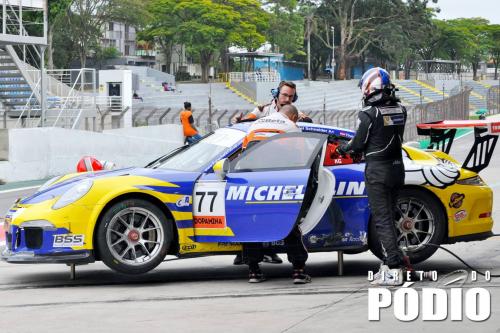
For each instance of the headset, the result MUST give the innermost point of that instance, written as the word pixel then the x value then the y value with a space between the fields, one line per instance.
pixel 276 91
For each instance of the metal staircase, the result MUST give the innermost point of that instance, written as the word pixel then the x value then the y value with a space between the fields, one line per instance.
pixel 16 93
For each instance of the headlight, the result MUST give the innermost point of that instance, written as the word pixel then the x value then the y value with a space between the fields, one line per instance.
pixel 73 194
pixel 47 184
pixel 475 181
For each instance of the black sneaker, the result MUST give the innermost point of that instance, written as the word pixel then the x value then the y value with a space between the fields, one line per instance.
pixel 299 277
pixel 256 276
pixel 272 258
pixel 238 260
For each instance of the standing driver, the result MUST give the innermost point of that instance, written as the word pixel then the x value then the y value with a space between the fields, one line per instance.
pixel 379 137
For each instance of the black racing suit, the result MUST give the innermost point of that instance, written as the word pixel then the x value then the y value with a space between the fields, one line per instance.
pixel 379 137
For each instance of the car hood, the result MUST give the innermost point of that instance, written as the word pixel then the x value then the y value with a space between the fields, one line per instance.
pixel 64 183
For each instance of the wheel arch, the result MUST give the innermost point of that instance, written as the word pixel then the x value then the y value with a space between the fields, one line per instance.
pixel 174 247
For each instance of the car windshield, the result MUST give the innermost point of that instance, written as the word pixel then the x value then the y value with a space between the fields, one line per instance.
pixel 199 155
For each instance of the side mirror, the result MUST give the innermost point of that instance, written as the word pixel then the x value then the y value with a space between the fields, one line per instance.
pixel 221 168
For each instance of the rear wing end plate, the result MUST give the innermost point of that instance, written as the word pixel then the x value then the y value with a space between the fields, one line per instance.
pixel 442 135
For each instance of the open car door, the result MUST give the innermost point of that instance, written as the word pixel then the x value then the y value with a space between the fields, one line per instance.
pixel 267 190
pixel 442 134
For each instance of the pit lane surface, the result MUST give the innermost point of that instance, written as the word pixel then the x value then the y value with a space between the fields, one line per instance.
pixel 211 295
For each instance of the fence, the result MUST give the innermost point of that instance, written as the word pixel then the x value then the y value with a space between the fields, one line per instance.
pixel 493 100
pixel 454 107
pixel 272 76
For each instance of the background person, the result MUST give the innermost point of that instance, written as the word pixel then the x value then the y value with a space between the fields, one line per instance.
pixel 380 137
pixel 188 128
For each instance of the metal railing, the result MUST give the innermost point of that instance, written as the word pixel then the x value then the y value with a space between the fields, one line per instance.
pixel 453 107
pixel 272 76
pixel 62 82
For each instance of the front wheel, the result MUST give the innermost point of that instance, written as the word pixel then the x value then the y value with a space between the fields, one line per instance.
pixel 133 236
pixel 420 220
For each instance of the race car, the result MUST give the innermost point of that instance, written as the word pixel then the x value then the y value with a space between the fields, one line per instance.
pixel 209 197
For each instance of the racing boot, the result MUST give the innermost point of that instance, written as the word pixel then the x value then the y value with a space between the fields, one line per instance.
pixel 238 260
pixel 300 277
pixel 255 275
pixel 272 258
pixel 388 276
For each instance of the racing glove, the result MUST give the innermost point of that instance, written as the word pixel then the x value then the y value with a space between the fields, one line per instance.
pixel 341 150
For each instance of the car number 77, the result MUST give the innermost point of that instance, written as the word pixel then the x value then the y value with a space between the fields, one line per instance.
pixel 213 194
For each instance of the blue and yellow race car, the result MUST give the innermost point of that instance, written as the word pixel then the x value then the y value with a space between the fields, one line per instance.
pixel 208 198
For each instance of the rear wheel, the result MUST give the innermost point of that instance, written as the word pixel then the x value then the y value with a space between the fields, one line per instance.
pixel 133 236
pixel 420 220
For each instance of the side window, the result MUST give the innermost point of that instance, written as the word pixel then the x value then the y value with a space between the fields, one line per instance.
pixel 285 151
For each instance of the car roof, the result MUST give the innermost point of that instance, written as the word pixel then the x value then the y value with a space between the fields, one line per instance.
pixel 305 127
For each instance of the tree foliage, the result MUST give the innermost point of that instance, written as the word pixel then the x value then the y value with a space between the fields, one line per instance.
pixel 207 26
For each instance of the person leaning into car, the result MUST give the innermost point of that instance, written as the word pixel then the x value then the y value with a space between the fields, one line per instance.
pixel 263 128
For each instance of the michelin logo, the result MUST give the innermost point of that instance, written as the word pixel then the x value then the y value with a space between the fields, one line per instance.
pixel 350 188
pixel 266 193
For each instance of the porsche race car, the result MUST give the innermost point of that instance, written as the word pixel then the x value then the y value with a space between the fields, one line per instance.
pixel 209 198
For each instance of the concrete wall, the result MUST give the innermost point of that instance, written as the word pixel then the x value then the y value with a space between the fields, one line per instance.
pixel 38 153
pixel 258 91
pixel 4 144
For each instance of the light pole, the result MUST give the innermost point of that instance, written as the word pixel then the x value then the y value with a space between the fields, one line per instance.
pixel 309 48
pixel 333 53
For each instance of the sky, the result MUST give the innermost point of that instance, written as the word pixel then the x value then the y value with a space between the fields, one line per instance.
pixel 488 9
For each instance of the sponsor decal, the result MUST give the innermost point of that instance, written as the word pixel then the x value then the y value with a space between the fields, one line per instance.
pixel 350 188
pixel 460 215
pixel 188 247
pixel 441 175
pixel 456 200
pixel 183 202
pixel 432 304
pixel 68 240
pixel 266 193
pixel 209 222
pixel 363 237
pixel 209 205
pixel 495 128
pixel 227 244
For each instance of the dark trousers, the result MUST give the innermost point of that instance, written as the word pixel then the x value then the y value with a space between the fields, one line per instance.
pixel 295 250
pixel 384 179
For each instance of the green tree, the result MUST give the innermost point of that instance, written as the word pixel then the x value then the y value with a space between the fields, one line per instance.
pixel 206 27
pixel 493 32
pixel 286 27
pixel 473 34
pixel 162 28
pixel 57 12
pixel 87 18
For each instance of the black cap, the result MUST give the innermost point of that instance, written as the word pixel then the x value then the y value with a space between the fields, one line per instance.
pixel 187 105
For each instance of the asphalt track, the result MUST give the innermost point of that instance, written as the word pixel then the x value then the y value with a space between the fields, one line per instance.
pixel 209 294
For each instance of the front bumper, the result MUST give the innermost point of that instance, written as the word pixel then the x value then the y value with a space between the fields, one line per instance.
pixel 29 257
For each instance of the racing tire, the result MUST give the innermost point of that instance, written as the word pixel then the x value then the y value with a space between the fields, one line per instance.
pixel 420 220
pixel 133 236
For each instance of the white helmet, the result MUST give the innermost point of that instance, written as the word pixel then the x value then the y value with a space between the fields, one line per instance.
pixel 374 80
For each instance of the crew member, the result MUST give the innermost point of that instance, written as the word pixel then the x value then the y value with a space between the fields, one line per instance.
pixel 285 94
pixel 263 128
pixel 187 121
pixel 379 137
